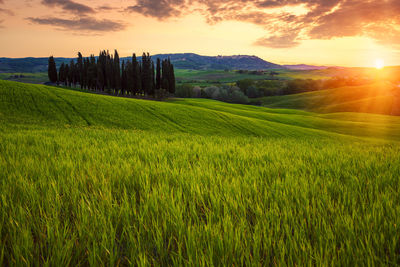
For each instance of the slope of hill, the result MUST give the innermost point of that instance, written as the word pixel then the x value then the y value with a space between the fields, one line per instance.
pixel 380 98
pixel 181 61
pixel 93 180
pixel 37 104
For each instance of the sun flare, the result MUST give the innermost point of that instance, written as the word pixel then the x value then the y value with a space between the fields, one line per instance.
pixel 379 64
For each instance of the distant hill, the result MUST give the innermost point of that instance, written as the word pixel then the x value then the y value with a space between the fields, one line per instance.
pixel 29 64
pixel 304 67
pixel 197 62
pixel 180 61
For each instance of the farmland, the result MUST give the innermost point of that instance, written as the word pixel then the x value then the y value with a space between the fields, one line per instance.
pixel 99 180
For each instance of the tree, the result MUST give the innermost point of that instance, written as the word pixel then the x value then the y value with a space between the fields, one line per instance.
pixel 123 79
pixel 105 73
pixel 52 70
pixel 136 76
pixel 117 72
pixel 147 76
pixel 158 75
pixel 61 73
pixel 165 75
pixel 80 73
pixel 71 73
pixel 66 71
pixel 171 78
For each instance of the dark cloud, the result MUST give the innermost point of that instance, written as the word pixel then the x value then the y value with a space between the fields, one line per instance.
pixel 81 25
pixel 6 11
pixel 69 5
pixel 160 9
pixel 322 19
pixel 105 8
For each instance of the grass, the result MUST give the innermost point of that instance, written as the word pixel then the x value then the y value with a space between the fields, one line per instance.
pixel 97 180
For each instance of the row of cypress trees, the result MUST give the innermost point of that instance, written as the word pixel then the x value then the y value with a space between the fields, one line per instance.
pixel 107 73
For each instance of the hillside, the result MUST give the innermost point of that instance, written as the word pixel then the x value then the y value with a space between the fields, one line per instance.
pixel 95 180
pixel 37 104
pixel 379 98
pixel 180 61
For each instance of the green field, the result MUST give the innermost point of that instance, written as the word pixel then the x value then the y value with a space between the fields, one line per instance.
pixel 209 77
pixel 200 77
pixel 95 180
pixel 37 78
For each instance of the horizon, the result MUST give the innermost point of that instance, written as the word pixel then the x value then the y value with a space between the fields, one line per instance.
pixel 152 55
pixel 315 32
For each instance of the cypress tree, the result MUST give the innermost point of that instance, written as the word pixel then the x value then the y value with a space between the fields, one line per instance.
pixel 61 73
pixel 92 73
pixel 130 83
pixel 144 74
pixel 80 70
pixel 52 70
pixel 152 83
pixel 136 76
pixel 66 71
pixel 101 71
pixel 84 74
pixel 171 78
pixel 71 73
pixel 117 71
pixel 147 74
pixel 165 75
pixel 158 75
pixel 123 78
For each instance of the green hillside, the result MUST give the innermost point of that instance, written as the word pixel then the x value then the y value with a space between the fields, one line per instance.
pixel 380 98
pixel 88 179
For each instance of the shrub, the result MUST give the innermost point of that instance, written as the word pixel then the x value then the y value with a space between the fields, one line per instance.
pixel 196 91
pixel 238 97
pixel 184 90
pixel 209 91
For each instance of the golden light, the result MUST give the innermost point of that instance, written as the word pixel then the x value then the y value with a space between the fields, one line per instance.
pixel 379 64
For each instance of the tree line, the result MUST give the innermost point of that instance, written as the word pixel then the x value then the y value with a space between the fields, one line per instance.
pixel 108 74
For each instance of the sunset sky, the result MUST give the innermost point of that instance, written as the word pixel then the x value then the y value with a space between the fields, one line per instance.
pixel 323 32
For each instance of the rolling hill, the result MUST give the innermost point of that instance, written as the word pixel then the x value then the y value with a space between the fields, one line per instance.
pixel 379 98
pixel 89 179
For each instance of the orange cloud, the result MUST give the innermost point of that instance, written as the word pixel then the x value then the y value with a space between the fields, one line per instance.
pixel 324 19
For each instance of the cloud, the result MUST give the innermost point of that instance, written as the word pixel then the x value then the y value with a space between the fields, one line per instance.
pixel 105 8
pixel 69 5
pixel 278 41
pixel 85 25
pixel 6 11
pixel 288 21
pixel 159 9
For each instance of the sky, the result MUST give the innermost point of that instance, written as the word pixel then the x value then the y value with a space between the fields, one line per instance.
pixel 320 32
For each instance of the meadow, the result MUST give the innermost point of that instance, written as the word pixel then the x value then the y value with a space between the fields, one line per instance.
pixel 95 180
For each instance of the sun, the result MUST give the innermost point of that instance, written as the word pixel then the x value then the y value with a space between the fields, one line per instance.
pixel 379 64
